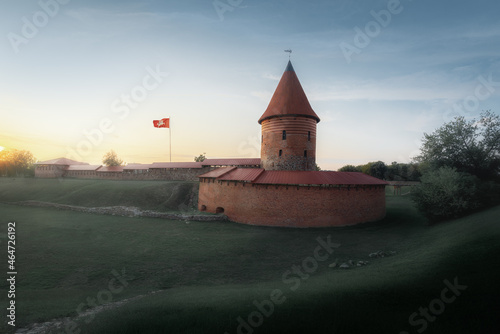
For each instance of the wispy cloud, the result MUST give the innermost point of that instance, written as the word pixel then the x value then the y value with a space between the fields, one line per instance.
pixel 271 76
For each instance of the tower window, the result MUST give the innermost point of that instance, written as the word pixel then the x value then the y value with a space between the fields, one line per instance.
pixel 308 135
pixel 281 152
pixel 284 134
pixel 305 153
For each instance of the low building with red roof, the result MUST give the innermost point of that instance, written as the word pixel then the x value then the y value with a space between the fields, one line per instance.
pixel 285 189
pixel 55 168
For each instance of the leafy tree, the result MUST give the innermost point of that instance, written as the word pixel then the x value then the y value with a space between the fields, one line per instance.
pixel 111 159
pixel 471 146
pixel 377 169
pixel 402 172
pixel 446 193
pixel 317 167
pixel 393 172
pixel 200 158
pixel 16 163
pixel 349 168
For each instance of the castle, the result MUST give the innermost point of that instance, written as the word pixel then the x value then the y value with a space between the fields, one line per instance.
pixel 287 190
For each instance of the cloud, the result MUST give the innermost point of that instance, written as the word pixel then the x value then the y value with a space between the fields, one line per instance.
pixel 271 77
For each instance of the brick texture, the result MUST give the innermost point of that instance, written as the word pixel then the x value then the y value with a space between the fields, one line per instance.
pixel 292 206
pixel 300 137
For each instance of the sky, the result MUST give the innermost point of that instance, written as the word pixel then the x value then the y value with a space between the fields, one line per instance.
pixel 79 78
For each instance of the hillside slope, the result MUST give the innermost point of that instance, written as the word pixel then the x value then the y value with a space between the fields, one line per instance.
pixel 172 196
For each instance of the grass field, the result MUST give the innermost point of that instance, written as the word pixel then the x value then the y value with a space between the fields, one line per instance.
pixel 210 276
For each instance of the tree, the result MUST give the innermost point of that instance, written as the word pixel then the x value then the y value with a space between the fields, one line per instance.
pixel 402 172
pixel 377 169
pixel 16 163
pixel 470 146
pixel 446 193
pixel 111 159
pixel 200 158
pixel 349 168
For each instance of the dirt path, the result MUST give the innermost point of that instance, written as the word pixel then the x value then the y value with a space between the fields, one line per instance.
pixel 125 211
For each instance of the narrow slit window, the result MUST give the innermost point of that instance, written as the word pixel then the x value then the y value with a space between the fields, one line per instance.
pixel 281 152
pixel 284 134
pixel 308 135
pixel 305 153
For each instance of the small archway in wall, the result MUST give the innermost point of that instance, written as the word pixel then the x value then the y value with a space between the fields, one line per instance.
pixel 203 208
pixel 219 210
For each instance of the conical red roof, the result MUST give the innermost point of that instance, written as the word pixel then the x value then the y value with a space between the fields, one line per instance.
pixel 289 98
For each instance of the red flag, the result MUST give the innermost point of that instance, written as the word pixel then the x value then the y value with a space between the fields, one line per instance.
pixel 162 123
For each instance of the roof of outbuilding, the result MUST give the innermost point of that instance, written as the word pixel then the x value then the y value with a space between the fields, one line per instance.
pixel 83 167
pixel 175 165
pixel 232 162
pixel 261 176
pixel 317 178
pixel 289 98
pixel 61 161
pixel 242 174
pixel 136 166
pixel 218 172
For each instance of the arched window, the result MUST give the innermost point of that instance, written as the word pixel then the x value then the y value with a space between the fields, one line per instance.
pixel 305 153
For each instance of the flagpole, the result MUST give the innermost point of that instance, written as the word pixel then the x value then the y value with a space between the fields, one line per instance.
pixel 170 135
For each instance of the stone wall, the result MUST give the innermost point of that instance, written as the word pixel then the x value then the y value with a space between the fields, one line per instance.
pixel 292 206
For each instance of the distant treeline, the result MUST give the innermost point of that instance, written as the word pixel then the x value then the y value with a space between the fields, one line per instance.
pixel 394 172
pixel 17 163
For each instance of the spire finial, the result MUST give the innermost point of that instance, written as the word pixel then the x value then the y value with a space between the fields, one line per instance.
pixel 289 53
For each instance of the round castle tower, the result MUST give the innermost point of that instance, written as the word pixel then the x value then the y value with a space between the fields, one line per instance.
pixel 287 190
pixel 289 128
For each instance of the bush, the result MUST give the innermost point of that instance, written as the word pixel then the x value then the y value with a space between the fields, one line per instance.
pixel 446 193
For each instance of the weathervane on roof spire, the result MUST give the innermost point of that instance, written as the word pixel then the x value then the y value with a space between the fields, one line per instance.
pixel 290 53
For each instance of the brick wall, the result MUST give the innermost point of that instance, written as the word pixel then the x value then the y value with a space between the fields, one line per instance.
pixel 300 138
pixel 81 174
pixel 50 171
pixel 174 174
pixel 292 206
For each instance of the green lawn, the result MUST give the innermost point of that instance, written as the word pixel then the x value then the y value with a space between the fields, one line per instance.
pixel 210 274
